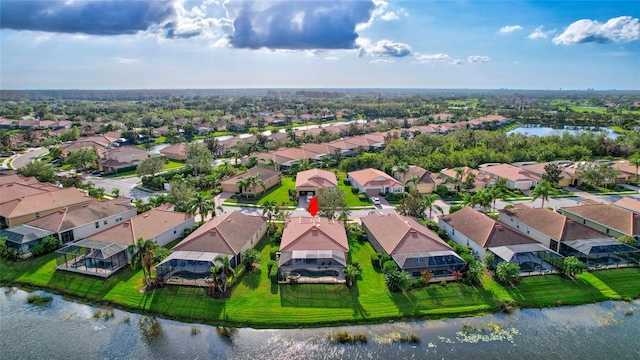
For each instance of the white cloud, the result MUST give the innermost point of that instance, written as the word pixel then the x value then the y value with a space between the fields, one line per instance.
pixel 380 7
pixel 456 62
pixel 382 48
pixel 120 60
pixel 538 33
pixel 620 29
pixel 478 59
pixel 429 58
pixel 331 58
pixel 510 28
pixel 389 16
pixel 382 61
pixel 44 37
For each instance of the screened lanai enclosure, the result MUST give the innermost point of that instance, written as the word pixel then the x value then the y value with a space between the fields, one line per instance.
pixel 441 263
pixel 601 253
pixel 188 268
pixel 92 257
pixel 533 259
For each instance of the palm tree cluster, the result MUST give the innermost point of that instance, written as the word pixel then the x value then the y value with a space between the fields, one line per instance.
pixel 203 204
pixel 142 254
pixel 221 273
pixel 485 198
pixel 250 182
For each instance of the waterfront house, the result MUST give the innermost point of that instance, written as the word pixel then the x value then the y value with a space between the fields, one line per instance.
pixel 612 220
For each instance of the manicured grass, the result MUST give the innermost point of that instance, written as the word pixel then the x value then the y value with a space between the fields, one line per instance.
pixel 350 198
pixel 173 165
pixel 255 301
pixel 161 139
pixel 280 193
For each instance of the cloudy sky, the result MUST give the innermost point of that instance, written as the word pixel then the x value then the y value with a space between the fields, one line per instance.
pixel 133 44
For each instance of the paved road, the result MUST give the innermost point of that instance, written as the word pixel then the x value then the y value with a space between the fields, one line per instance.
pixel 29 156
pixel 126 186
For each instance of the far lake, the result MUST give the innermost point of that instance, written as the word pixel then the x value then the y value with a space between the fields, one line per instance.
pixel 69 330
pixel 539 130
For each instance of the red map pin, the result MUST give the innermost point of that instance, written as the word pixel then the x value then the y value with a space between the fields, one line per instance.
pixel 313 206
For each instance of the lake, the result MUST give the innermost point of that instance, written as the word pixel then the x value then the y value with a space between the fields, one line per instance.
pixel 63 329
pixel 539 130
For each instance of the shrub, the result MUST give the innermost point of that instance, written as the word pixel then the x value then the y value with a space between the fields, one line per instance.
pixel 390 266
pixel 355 191
pixel 362 197
pixel 426 276
pixel 39 300
pixel 474 272
pixel 383 259
pixel 346 181
pixel 47 245
pixel 508 273
pixel 160 253
pixel 356 264
pixel 572 266
pixel 454 208
pixel 443 283
pixel 488 258
pixel 375 260
pixel 273 268
pixel 272 254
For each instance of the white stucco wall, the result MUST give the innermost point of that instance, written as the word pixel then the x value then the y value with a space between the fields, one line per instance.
pixel 461 239
pixel 173 233
pixel 89 229
pixel 527 230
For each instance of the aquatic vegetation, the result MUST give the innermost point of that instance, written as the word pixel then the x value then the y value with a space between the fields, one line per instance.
pixel 125 320
pixel 629 312
pixel 68 317
pixel 226 333
pixel 344 337
pixel 10 290
pixel 39 300
pixel 106 315
pixel 150 328
pixel 195 330
pixel 474 333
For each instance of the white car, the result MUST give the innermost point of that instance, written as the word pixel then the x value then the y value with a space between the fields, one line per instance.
pixel 309 197
pixel 375 200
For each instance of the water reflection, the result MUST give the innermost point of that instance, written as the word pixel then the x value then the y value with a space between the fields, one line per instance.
pixel 63 329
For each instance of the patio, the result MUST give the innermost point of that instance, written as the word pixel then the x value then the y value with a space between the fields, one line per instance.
pixel 603 253
pixel 189 268
pixel 312 267
pixel 533 259
pixel 92 257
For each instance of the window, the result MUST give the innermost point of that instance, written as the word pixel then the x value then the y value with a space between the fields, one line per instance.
pixel 105 222
pixel 453 232
pixel 119 218
pixel 419 260
pixel 607 231
pixel 37 215
pixel 66 236
pixel 553 245
pixel 97 224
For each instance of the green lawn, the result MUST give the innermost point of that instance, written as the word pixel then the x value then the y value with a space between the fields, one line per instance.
pixel 173 165
pixel 255 301
pixel 279 194
pixel 350 198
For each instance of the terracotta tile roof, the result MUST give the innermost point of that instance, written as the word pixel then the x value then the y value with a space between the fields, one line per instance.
pixel 42 202
pixel 226 234
pixel 552 224
pixel 624 166
pixel 402 235
pixel 306 233
pixel 320 148
pixel 373 177
pixel 12 191
pixel 484 230
pixel 77 215
pixel 538 169
pixel 509 172
pixel 296 153
pixel 316 178
pixel 610 216
pixel 264 175
pixel 629 204
pixel 424 176
pixel 147 225
pixel 12 178
pixel 179 149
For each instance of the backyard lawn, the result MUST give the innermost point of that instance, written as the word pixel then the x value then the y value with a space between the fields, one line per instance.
pixel 350 198
pixel 256 302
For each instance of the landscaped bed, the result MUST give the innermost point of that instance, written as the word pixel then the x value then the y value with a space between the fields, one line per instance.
pixel 257 302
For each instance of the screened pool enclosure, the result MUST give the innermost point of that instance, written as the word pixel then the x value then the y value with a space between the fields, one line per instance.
pixel 92 257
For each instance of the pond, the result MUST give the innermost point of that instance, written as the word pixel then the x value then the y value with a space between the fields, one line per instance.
pixel 63 329
pixel 541 130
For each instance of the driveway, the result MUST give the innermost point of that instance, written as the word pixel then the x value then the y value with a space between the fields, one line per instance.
pixel 126 186
pixel 28 157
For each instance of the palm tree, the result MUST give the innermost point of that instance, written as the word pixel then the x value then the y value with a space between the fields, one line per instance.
pixel 243 185
pixel 142 253
pixel 351 273
pixel 430 202
pixel 402 168
pixel 141 206
pixel 494 194
pixel 250 257
pixel 412 180
pixel 158 200
pixel 225 269
pixel 268 208
pixel 115 192
pixel 201 204
pixel 635 162
pixel 543 191
pixel 459 176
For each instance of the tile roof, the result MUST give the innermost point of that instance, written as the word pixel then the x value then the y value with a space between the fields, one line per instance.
pixel 77 215
pixel 226 234
pixel 147 225
pixel 318 233
pixel 177 149
pixel 264 175
pixel 629 204
pixel 373 177
pixel 484 230
pixel 509 172
pixel 610 216
pixel 42 202
pixel 402 234
pixel 424 176
pixel 12 178
pixel 316 178
pixel 12 191
pixel 552 224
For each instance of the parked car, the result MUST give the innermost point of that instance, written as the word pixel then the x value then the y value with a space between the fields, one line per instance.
pixel 56 161
pixel 309 197
pixel 95 172
pixel 375 200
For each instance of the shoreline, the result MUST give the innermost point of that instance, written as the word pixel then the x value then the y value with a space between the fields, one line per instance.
pixel 500 308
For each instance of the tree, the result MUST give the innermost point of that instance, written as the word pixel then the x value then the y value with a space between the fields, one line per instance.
pixel 459 174
pixel 426 276
pixel 150 166
pixel 250 257
pixel 402 168
pixel 70 134
pixel 199 157
pixel 488 258
pixel 158 200
pixel 635 162
pixel 55 152
pixel 141 206
pixel 507 273
pixel 494 194
pixel 331 203
pixel 442 190
pixel 552 174
pixel 202 204
pixel 142 254
pixel 474 272
pixel 629 240
pixel 397 280
pixel 413 205
pixel 268 208
pixel 469 182
pixel 543 191
pixel 226 269
pixel 412 180
pixel 572 266
pixel 213 144
pixel 180 193
pixel 351 274
pixel 81 158
pixel 430 203
pixel 115 192
pixel 42 171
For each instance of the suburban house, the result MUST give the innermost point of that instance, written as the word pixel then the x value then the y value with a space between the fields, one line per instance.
pixel 175 152
pixel 80 221
pixel 612 220
pixel 626 169
pixel 426 181
pixel 569 237
pixel 411 245
pixel 456 178
pixel 14 212
pixel 374 182
pixel 104 253
pixel 270 178
pixel 567 177
pixel 516 177
pixel 628 203
pixel 482 233
pixel 310 181
pixel 313 250
pixel 22 237
pixel 228 235
pixel 122 158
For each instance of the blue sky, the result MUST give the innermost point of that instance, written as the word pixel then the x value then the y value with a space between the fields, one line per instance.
pixel 133 44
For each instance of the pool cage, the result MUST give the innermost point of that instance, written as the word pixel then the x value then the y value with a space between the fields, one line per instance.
pixel 533 259
pixel 187 267
pixel 92 257
pixel 601 253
